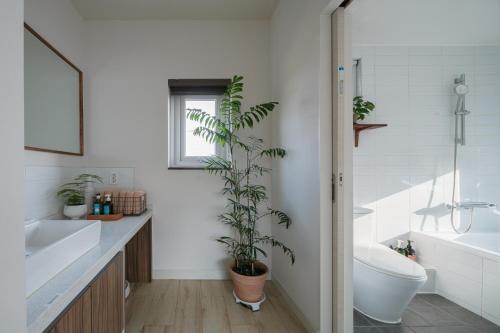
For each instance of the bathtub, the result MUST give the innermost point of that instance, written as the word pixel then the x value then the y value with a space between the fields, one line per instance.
pixel 488 243
pixel 467 268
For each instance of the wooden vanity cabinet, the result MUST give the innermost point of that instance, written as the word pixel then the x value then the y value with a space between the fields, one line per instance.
pixel 100 308
pixel 108 299
pixel 77 319
pixel 138 257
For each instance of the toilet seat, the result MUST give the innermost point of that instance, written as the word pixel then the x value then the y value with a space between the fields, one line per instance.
pixel 387 261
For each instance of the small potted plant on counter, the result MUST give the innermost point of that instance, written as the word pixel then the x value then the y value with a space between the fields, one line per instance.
pixel 73 195
pixel 361 108
pixel 240 171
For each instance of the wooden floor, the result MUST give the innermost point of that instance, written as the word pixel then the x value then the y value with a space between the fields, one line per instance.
pixel 166 306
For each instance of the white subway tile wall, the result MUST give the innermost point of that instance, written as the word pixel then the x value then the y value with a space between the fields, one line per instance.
pixel 41 183
pixel 404 171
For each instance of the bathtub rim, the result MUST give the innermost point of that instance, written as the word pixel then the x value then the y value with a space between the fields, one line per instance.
pixel 449 238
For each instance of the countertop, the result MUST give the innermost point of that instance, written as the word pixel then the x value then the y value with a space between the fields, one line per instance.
pixel 45 304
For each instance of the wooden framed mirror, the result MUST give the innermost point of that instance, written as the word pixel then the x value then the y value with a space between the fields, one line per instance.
pixel 53 98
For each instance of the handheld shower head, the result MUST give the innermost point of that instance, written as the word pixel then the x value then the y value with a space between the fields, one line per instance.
pixel 461 89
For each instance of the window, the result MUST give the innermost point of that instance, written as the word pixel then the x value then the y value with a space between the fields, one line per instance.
pixel 187 151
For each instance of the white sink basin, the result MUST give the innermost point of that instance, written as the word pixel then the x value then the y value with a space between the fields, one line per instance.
pixel 51 246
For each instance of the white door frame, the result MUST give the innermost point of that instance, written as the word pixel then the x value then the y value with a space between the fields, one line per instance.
pixel 342 143
pixel 336 217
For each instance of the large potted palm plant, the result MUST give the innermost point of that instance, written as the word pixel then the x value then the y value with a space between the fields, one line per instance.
pixel 246 197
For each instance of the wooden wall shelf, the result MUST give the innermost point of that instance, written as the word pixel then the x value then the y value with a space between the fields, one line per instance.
pixel 358 128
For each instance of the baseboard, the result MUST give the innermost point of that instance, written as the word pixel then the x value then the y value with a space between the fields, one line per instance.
pixel 189 274
pixel 193 274
pixel 296 310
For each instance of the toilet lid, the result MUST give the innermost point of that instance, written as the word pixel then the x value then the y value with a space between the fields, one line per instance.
pixel 388 261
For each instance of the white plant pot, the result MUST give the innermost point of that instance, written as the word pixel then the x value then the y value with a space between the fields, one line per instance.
pixel 75 212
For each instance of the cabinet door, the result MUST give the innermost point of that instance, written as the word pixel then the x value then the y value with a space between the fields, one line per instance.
pixel 77 318
pixel 108 298
pixel 138 256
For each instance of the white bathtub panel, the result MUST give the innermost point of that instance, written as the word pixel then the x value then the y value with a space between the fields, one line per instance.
pixel 426 250
pixel 460 262
pixel 459 289
pixel 468 271
pixel 491 302
pixel 493 268
pixel 491 291
pixel 491 318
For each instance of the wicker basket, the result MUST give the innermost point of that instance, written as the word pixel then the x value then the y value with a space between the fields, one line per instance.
pixel 128 202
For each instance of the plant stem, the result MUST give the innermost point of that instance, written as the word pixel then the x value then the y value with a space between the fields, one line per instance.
pixel 249 213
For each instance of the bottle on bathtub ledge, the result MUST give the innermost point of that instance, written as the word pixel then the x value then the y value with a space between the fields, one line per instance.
pixel 410 251
pixel 407 251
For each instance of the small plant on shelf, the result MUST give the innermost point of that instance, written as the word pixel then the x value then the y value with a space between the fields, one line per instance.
pixel 361 108
pixel 73 194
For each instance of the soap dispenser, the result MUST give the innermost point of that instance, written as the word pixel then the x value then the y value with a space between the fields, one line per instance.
pixel 97 206
pixel 107 207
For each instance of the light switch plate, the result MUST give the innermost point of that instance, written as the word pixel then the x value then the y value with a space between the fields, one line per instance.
pixel 113 178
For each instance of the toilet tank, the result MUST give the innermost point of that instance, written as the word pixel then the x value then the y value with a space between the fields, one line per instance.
pixel 364 225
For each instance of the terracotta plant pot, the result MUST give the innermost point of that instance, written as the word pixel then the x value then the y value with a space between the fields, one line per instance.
pixel 413 257
pixel 249 288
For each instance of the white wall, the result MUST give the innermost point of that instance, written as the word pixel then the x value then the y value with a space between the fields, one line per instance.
pixel 13 306
pixel 299 47
pixel 426 22
pixel 126 68
pixel 404 171
pixel 129 64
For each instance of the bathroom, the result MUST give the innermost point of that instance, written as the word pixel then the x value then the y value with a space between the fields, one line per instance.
pixel 432 87
pixel 155 251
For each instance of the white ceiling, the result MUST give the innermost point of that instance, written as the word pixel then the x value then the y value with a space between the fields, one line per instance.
pixel 175 9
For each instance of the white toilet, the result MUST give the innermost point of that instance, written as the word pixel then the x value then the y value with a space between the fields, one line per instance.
pixel 384 280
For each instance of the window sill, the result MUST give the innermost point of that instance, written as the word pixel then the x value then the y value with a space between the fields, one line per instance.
pixel 186 168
